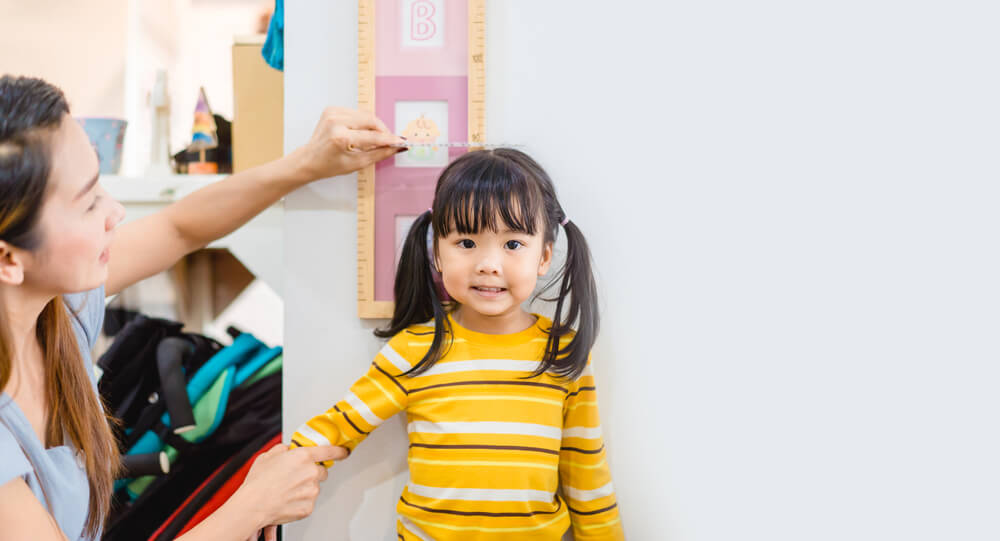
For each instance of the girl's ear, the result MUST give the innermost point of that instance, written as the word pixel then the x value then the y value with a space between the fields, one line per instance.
pixel 432 254
pixel 546 262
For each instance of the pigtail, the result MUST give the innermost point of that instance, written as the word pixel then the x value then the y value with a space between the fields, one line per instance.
pixel 417 300
pixel 576 280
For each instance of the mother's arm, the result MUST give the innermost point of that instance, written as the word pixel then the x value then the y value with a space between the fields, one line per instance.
pixel 281 487
pixel 345 140
pixel 23 516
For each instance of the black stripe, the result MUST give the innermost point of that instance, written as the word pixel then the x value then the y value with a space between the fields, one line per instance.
pixel 354 426
pixel 585 451
pixel 483 513
pixel 408 331
pixel 608 508
pixel 388 375
pixel 490 382
pixel 401 536
pixel 580 390
pixel 492 447
pixel 295 443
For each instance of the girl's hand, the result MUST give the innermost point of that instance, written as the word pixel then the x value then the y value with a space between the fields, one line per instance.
pixel 344 141
pixel 282 484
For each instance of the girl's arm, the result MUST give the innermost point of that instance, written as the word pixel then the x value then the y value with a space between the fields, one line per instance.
pixel 373 399
pixel 583 467
pixel 344 141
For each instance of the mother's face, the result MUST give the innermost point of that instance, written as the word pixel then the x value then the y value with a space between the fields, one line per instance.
pixel 77 220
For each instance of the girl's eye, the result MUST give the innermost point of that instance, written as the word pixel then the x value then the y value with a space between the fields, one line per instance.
pixel 513 244
pixel 94 204
pixel 466 243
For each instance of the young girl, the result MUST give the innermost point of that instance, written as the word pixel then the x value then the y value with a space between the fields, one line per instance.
pixel 505 437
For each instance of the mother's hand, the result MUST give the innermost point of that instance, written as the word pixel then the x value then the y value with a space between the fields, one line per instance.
pixel 282 484
pixel 344 141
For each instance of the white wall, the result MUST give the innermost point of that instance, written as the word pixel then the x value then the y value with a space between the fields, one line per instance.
pixel 793 212
pixel 78 46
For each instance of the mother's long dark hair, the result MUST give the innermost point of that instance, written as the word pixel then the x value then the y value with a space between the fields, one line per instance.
pixel 473 193
pixel 30 112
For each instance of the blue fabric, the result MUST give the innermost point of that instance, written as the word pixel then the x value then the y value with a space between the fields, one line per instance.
pixel 87 316
pixel 244 347
pixel 255 364
pixel 55 472
pixel 274 45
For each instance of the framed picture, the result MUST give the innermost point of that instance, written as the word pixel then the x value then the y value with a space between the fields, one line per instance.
pixel 420 70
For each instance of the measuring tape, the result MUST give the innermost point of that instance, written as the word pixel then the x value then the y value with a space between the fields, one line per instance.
pixel 457 145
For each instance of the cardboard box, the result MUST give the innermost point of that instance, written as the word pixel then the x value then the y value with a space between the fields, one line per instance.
pixel 258 106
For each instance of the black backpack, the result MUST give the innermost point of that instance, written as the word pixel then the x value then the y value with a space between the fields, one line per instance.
pixel 147 365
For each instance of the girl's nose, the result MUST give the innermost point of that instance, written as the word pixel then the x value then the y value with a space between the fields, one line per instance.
pixel 489 264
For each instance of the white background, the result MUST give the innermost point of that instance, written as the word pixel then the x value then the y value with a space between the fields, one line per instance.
pixel 793 209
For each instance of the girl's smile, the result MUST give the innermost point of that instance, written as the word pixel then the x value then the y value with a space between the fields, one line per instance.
pixel 489 292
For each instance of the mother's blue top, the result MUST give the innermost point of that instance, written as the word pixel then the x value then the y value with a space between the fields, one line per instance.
pixel 56 475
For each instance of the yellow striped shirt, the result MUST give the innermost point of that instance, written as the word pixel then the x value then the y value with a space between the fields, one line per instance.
pixel 493 454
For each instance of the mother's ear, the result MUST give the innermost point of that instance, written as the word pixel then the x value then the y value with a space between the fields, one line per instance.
pixel 11 265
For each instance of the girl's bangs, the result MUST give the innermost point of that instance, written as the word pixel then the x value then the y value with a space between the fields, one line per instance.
pixel 487 192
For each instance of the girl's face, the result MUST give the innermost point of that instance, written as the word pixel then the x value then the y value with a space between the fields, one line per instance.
pixel 492 273
pixel 77 220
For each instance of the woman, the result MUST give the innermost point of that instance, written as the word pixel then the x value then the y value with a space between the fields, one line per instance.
pixel 60 254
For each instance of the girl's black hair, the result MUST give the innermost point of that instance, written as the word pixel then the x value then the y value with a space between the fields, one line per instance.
pixel 476 192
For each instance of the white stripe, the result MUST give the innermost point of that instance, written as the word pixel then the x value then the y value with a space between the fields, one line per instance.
pixel 482 494
pixel 487 427
pixel 396 359
pixel 359 405
pixel 313 435
pixel 588 495
pixel 506 365
pixel 581 432
pixel 414 529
